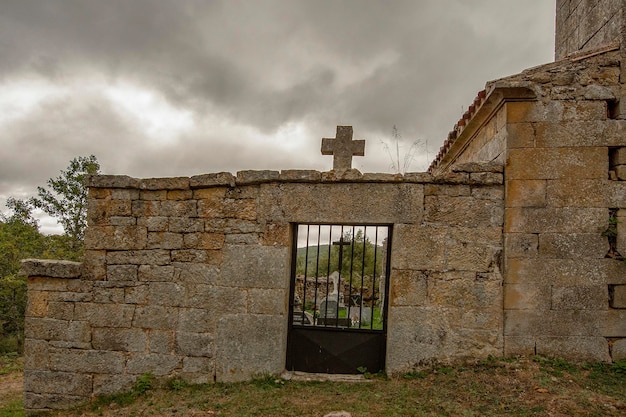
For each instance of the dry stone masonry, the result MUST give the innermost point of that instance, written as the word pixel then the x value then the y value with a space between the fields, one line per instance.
pixel 512 244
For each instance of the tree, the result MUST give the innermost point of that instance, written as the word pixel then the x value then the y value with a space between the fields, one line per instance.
pixel 67 199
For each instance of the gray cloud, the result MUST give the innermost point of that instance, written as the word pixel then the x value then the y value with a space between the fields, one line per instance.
pixel 256 66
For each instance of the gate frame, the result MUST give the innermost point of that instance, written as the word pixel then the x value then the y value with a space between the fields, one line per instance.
pixel 335 330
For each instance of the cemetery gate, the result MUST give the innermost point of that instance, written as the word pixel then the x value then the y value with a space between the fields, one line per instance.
pixel 338 298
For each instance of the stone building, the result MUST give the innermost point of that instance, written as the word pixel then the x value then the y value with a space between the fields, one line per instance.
pixel 510 245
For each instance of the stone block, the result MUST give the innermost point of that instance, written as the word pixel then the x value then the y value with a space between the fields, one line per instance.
pixel 525 193
pixel 557 163
pixel 418 177
pixel 43 403
pixel 50 268
pixel 276 235
pixel 430 240
pixel 527 297
pixel 242 239
pixel 122 221
pixel 462 211
pixel 87 361
pixel 59 310
pixel 618 299
pixel 617 156
pixel 169 294
pixel 159 365
pixel 122 273
pixel 172 208
pixel 56 330
pixel 573 245
pixel 156 273
pixel 116 237
pixel 211 257
pixel 486 178
pixel 124 194
pixel 249 345
pixel 555 220
pixel 139 257
pixel 185 225
pixel 294 175
pixel 459 190
pixel 203 241
pixel 519 346
pixel 161 341
pixel 198 370
pixel 111 181
pixel 36 354
pixel 577 192
pixel 99 212
pixel 176 183
pixel 462 289
pixel 37 304
pixel 107 296
pixel 251 177
pixel 196 273
pixel 309 203
pixel 255 267
pixel 580 298
pixel 199 320
pixel 164 240
pixel 408 288
pixel 125 340
pixel 94 265
pixel 218 300
pixel 561 272
pixel 615 324
pixel 136 295
pixel 155 317
pixel 107 384
pixel 554 323
pixel 571 134
pixel 461 256
pixel 521 245
pixel 195 344
pixel 618 350
pixel 267 301
pixel 154 223
pixel 520 135
pixel 212 180
pixel 105 315
pixel 576 348
pixel 620 172
pixel 555 110
pixel 179 195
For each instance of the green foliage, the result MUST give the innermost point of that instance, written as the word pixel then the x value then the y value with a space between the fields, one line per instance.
pixel 66 200
pixel 144 383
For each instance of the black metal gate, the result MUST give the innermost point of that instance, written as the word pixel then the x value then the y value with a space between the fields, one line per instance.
pixel 338 298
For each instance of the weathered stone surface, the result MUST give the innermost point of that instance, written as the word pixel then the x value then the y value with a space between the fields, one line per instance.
pixel 267 301
pixel 50 268
pixel 408 288
pixel 619 296
pixel 155 317
pixel 577 192
pixel 111 181
pixel 526 193
pixel 249 345
pixel 589 349
pixel 177 183
pixel 195 344
pixel 294 175
pixel 342 175
pixel 87 361
pixel 462 211
pixel 105 315
pixel 527 297
pixel 155 273
pixel 573 245
pixel 198 370
pixel 555 220
pixel 618 350
pixel 164 240
pixel 474 167
pixel 430 239
pixel 615 324
pixel 139 257
pixel 107 384
pixel 580 298
pixel 212 180
pixel 122 273
pixel 203 241
pixel 556 163
pixel 154 223
pixel 196 273
pixel 116 237
pixel 553 323
pixel 256 177
pixel 185 225
pixel 255 267
pixel 115 339
pixel 57 330
pixel 521 245
pixel 140 363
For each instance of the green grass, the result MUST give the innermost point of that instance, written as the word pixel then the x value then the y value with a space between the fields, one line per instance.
pixel 493 387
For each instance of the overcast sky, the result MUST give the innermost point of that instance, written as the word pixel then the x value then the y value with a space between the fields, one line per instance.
pixel 159 88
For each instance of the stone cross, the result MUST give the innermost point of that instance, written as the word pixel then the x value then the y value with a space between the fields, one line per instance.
pixel 343 148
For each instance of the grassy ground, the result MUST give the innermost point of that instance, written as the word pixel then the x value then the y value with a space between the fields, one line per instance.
pixel 523 387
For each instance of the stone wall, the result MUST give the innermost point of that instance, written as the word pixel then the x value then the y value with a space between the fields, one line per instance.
pixel 583 24
pixel 565 196
pixel 190 277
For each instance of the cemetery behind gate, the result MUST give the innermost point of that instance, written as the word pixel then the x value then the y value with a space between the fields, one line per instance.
pixel 512 243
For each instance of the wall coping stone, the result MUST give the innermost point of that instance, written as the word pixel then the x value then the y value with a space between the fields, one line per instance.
pixel 460 175
pixel 218 179
pixel 50 268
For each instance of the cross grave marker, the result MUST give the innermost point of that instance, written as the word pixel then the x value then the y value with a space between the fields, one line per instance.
pixel 343 148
